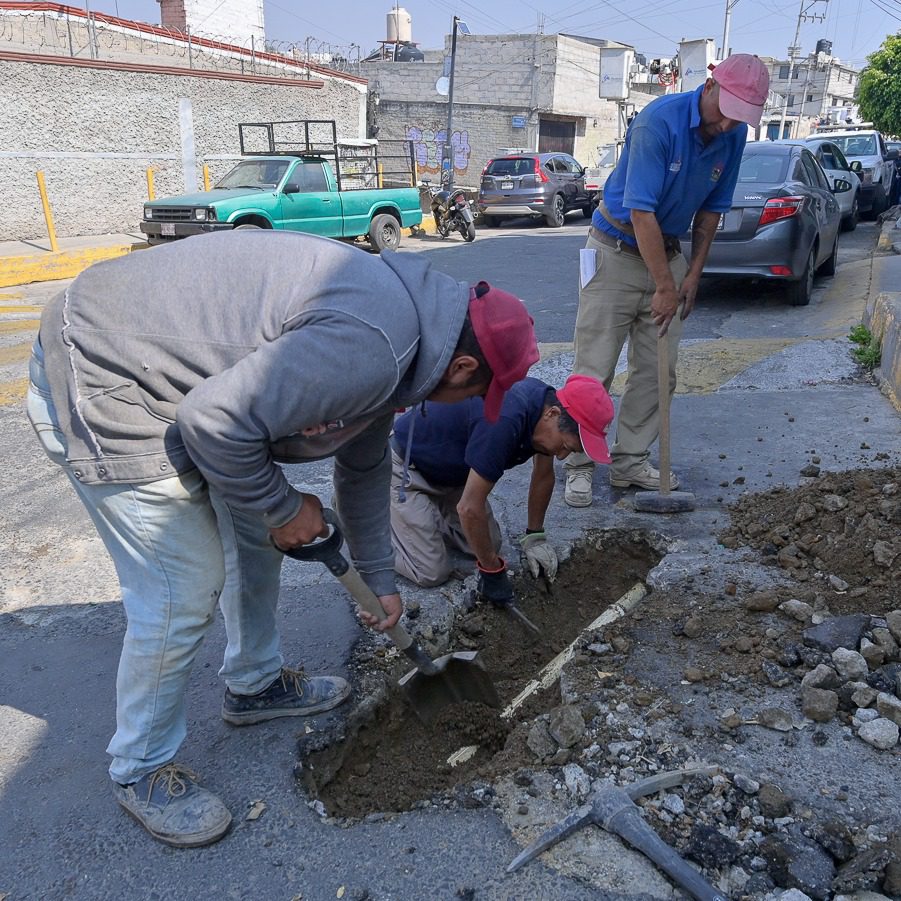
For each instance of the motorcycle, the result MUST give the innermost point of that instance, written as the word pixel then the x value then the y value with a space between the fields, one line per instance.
pixel 452 211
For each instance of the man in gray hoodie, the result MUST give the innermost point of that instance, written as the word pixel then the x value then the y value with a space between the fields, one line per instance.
pixel 169 383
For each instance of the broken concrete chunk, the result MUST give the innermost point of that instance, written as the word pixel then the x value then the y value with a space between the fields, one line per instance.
pixel 834 502
pixel 798 610
pixel 864 715
pixel 837 632
pixel 880 733
pixel 884 553
pixel 872 653
pixel 762 601
pixel 800 863
pixel 863 872
pixel 774 718
pixel 539 740
pixel 889 707
pixel 710 848
pixel 567 725
pixel 775 675
pixel 849 664
pixel 821 676
pixel 863 695
pixel 884 639
pixel 838 584
pixel 819 704
pixel 894 624
pixel 578 783
pixel 805 512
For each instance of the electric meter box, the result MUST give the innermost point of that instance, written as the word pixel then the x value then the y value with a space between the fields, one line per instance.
pixel 694 58
pixel 616 68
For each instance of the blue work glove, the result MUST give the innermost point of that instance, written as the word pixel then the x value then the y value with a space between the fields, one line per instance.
pixel 495 585
pixel 538 555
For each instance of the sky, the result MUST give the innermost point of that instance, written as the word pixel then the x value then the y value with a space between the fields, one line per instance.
pixel 766 27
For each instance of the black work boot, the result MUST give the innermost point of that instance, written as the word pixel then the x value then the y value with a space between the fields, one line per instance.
pixel 291 694
pixel 174 809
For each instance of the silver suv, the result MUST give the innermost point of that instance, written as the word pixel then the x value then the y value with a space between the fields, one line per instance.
pixel 541 185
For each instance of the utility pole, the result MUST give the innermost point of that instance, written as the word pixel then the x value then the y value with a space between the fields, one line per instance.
pixel 804 15
pixel 448 158
pixel 724 50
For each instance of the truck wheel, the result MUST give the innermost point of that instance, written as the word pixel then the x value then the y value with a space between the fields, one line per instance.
pixel 247 225
pixel 384 233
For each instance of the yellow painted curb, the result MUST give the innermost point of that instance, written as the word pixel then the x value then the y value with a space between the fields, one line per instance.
pixel 49 266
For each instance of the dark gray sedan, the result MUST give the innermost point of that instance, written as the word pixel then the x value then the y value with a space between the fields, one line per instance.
pixel 784 222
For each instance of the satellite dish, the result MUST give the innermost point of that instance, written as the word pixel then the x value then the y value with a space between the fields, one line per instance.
pixel 442 86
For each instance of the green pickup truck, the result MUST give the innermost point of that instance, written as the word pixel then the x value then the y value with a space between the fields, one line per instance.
pixel 328 188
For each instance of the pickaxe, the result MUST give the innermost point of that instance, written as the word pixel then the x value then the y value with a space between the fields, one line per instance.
pixel 613 808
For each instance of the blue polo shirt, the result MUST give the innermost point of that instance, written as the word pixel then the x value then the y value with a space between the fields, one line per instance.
pixel 451 439
pixel 666 169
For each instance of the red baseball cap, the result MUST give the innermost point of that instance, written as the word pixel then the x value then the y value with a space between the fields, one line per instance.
pixel 505 332
pixel 587 401
pixel 744 86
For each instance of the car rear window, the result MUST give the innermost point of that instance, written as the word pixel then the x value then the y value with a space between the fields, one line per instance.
pixel 763 169
pixel 518 166
pixel 857 145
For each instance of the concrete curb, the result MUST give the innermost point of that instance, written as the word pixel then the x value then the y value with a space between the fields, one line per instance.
pixel 50 266
pixel 883 318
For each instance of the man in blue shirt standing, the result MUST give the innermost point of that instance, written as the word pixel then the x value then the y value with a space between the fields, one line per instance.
pixel 448 457
pixel 678 168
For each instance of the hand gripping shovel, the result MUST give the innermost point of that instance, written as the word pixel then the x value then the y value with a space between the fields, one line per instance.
pixel 433 684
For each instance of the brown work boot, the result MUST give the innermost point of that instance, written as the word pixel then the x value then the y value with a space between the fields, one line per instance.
pixel 174 809
pixel 645 477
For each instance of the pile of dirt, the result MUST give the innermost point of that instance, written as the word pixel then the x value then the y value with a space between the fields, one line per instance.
pixel 841 530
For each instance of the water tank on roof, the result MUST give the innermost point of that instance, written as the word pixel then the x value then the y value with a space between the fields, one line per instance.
pixel 400 25
pixel 824 46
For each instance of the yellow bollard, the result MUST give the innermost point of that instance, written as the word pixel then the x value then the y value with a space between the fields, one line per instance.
pixel 48 213
pixel 206 177
pixel 380 175
pixel 151 194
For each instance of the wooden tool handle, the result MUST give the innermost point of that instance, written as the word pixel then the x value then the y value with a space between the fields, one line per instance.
pixel 368 600
pixel 663 399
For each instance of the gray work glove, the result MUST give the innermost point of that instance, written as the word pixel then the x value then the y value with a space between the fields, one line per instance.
pixel 538 555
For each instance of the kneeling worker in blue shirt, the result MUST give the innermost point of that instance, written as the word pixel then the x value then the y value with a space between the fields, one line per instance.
pixel 448 457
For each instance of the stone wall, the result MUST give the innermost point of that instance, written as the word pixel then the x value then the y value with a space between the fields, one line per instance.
pixel 94 129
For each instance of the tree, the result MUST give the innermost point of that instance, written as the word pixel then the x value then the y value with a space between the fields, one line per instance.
pixel 880 87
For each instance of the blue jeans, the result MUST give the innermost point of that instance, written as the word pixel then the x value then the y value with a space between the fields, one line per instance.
pixel 178 549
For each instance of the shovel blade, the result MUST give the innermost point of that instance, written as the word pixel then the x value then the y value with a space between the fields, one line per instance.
pixel 459 677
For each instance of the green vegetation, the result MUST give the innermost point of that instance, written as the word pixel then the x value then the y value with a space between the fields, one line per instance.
pixel 879 94
pixel 869 348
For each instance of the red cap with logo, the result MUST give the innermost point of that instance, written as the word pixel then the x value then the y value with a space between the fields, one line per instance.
pixel 587 401
pixel 505 332
pixel 744 86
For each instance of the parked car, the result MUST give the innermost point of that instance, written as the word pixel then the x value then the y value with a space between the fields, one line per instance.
pixel 831 158
pixel 896 147
pixel 541 185
pixel 877 161
pixel 784 222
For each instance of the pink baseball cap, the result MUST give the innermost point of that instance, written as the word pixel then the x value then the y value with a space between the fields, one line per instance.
pixel 587 401
pixel 506 334
pixel 744 86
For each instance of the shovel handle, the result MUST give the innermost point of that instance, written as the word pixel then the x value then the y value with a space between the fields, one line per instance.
pixel 328 551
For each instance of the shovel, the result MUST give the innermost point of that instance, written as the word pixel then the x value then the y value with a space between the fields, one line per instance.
pixel 433 684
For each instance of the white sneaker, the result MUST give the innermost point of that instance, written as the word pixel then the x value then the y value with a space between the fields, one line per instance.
pixel 578 488
pixel 647 477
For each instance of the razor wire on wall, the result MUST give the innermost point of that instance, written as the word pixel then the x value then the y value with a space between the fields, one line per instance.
pixel 91 36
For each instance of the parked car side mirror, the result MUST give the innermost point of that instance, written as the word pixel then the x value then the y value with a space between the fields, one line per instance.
pixel 856 166
pixel 584 170
pixel 891 155
pixel 840 185
pixel 292 187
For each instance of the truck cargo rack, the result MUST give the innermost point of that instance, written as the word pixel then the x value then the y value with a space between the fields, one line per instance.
pixel 358 165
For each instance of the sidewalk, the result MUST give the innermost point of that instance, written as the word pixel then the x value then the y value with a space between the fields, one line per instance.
pixel 24 262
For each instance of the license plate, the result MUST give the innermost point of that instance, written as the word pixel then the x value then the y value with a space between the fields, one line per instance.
pixel 168 229
pixel 506 185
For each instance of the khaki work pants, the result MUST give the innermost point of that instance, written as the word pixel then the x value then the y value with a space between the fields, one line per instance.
pixel 425 524
pixel 614 305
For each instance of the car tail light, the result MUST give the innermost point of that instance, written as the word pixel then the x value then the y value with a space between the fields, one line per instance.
pixel 539 172
pixel 781 270
pixel 780 208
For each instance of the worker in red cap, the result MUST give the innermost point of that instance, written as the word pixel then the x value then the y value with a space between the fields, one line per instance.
pixel 677 170
pixel 447 459
pixel 170 384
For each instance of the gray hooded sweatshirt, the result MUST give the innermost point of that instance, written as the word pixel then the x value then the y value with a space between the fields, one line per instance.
pixel 231 351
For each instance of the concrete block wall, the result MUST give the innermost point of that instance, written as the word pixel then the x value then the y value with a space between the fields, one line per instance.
pixel 94 132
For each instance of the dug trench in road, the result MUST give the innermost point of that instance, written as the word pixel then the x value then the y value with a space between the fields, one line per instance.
pixel 598 573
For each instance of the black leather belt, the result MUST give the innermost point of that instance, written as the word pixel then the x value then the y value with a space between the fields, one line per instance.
pixel 670 243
